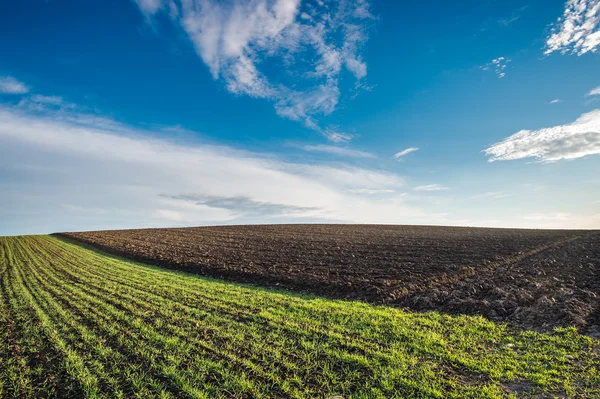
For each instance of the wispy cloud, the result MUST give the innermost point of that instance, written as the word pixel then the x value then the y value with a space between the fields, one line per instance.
pixel 150 7
pixel 515 16
pixel 594 92
pixel 38 102
pixel 10 85
pixel 245 206
pixel 571 141
pixel 93 164
pixel 550 216
pixel 591 101
pixel 577 31
pixel 492 194
pixel 431 187
pixel 556 101
pixel 498 65
pixel 312 43
pixel 341 151
pixel 371 191
pixel 557 220
pixel 332 134
pixel 52 100
pixel 536 187
pixel 402 153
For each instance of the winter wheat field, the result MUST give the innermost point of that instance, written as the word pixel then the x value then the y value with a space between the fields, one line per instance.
pixel 301 311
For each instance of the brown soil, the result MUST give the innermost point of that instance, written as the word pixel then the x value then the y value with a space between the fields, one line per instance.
pixel 536 279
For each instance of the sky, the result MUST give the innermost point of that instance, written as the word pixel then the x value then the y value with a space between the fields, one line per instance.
pixel 159 113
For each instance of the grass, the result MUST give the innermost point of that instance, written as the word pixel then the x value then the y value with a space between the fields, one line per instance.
pixel 78 323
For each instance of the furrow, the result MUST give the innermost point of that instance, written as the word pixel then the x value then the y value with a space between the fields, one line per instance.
pixel 470 271
pixel 86 383
pixel 268 323
pixel 240 309
pixel 92 311
pixel 83 339
pixel 283 343
pixel 100 309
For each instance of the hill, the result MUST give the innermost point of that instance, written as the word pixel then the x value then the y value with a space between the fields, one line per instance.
pixel 78 323
pixel 535 279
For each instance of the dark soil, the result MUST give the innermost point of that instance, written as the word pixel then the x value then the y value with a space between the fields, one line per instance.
pixel 536 279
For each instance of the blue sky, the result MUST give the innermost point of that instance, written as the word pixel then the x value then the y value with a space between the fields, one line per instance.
pixel 119 114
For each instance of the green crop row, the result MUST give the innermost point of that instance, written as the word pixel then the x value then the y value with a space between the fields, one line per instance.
pixel 78 323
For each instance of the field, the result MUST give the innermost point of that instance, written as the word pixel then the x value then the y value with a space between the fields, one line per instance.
pixel 535 279
pixel 75 322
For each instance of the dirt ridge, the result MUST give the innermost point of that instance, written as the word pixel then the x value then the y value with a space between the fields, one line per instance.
pixel 471 271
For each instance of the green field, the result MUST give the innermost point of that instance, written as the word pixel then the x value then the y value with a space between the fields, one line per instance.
pixel 78 323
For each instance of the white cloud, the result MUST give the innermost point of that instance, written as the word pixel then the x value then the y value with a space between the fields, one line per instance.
pixel 578 30
pixel 431 187
pixel 10 85
pixel 594 92
pixel 370 191
pixel 492 194
pixel 516 15
pixel 42 103
pixel 591 101
pixel 310 44
pixel 342 151
pixel 550 216
pixel 402 153
pixel 150 6
pixel 349 177
pixel 337 137
pixel 300 105
pixel 52 100
pixel 555 220
pixel 138 181
pixel 498 65
pixel 556 101
pixel 571 141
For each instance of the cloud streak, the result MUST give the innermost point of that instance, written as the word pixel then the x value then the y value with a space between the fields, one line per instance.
pixel 370 191
pixel 555 220
pixel 10 85
pixel 245 206
pixel 240 40
pixel 492 194
pixel 431 187
pixel 516 15
pixel 399 155
pixel 594 92
pixel 575 140
pixel 51 100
